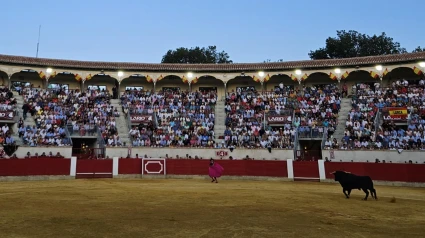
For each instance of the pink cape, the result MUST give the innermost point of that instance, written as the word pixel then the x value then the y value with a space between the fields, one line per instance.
pixel 216 170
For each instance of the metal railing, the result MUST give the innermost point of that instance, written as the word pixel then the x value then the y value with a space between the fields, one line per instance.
pixel 324 138
pixel 155 120
pixel 377 121
pixel 410 118
pixel 296 144
pixel 100 140
pixel 308 132
pixel 68 135
pixel 89 153
pixel 128 121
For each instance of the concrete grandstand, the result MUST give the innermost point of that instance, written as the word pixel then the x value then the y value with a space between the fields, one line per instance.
pixel 357 109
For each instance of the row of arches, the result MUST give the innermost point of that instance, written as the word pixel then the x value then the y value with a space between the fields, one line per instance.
pixel 108 82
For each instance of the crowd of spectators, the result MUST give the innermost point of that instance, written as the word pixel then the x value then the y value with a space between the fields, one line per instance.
pixel 49 118
pixel 246 111
pixel 90 112
pixel 317 110
pixel 7 108
pixel 365 131
pixel 310 111
pixel 183 118
pixel 53 110
pixel 187 119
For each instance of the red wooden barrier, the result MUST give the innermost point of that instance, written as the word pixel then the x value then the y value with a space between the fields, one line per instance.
pixel 94 168
pixel 34 167
pixel 380 171
pixel 130 166
pixel 231 167
pixel 306 170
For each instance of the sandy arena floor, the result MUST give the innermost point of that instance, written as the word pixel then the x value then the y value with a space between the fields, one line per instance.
pixel 198 208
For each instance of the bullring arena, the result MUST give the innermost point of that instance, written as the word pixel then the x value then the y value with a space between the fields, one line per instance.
pixel 87 145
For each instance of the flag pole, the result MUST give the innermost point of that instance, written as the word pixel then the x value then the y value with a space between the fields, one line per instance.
pixel 38 42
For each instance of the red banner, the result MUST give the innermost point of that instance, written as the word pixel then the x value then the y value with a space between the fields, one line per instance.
pixel 6 115
pixel 141 118
pixel 277 119
pixel 395 113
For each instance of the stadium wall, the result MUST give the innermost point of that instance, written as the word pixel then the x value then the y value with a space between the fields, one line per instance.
pixel 370 156
pixel 59 168
pixel 65 151
pixel 258 154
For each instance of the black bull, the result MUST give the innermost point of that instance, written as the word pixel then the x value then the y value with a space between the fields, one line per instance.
pixel 351 181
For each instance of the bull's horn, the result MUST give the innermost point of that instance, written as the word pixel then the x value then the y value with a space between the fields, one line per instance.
pixel 332 172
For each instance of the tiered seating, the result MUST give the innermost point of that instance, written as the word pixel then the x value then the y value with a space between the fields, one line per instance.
pixel 360 128
pixel 360 131
pixel 7 106
pixel 316 110
pixel 92 111
pixel 139 102
pixel 396 137
pixel 49 118
pixel 245 112
pixel 184 118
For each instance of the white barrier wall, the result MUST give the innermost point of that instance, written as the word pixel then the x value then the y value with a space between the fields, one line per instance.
pixel 22 151
pixel 372 155
pixel 257 154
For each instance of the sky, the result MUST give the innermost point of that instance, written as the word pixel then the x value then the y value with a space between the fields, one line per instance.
pixel 249 31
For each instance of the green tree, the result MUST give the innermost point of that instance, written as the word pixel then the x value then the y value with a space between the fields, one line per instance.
pixel 348 44
pixel 196 55
pixel 418 49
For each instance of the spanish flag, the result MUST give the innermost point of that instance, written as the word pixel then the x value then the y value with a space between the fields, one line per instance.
pixel 78 77
pixel 184 79
pixel 417 70
pixel 53 74
pixel 385 72
pixel 304 77
pixel 42 75
pixel 195 80
pixel 267 78
pixel 149 79
pixel 160 78
pixel 256 79
pixel 293 77
pixel 374 75
pixel 89 77
pixel 345 75
pixel 332 76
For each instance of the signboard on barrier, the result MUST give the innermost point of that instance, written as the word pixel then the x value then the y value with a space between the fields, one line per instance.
pixel 277 119
pixel 140 118
pixel 396 114
pixel 154 166
pixel 6 115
